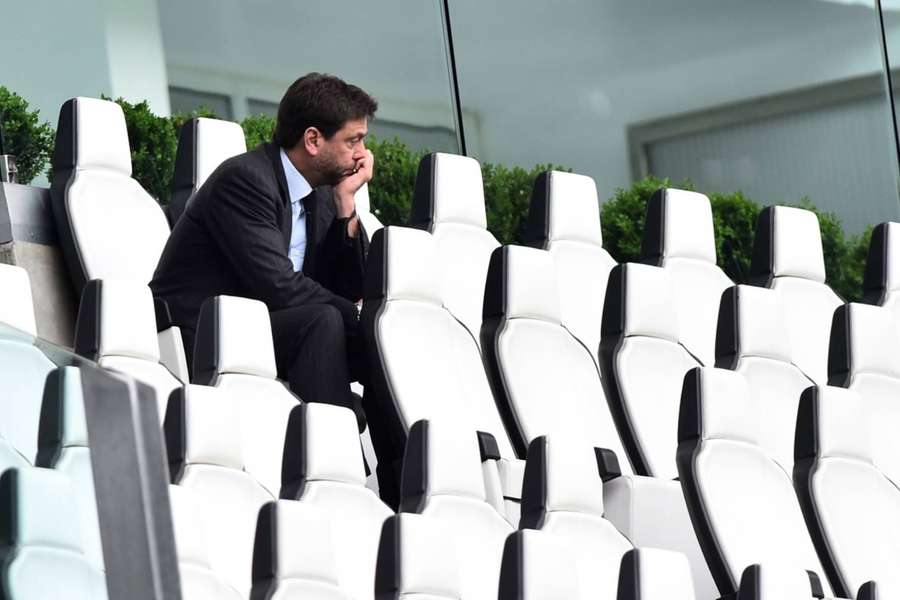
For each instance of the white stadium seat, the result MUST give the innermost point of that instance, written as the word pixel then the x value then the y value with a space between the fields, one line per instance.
pixel 679 237
pixel 234 352
pixel 41 548
pixel 864 356
pixel 788 257
pixel 417 560
pixel 116 328
pixel 641 335
pixel 753 340
pixel 424 363
pixel 203 144
pixel 442 480
pixel 109 227
pixel 563 496
pixel 293 556
pixel 653 574
pixel 545 381
pixel 564 219
pixel 851 508
pixel 323 467
pixel 448 201
pixel 206 442
pixel 741 501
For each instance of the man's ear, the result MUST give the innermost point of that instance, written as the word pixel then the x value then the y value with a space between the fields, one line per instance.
pixel 312 140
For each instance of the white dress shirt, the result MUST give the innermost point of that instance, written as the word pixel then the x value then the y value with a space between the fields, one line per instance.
pixel 298 189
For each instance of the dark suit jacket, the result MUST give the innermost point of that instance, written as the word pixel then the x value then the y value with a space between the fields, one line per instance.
pixel 233 239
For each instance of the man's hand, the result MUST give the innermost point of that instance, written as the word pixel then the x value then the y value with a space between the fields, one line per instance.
pixel 345 190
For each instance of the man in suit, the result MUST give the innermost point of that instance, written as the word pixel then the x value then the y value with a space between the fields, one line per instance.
pixel 278 224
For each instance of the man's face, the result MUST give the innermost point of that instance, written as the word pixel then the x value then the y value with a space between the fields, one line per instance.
pixel 340 155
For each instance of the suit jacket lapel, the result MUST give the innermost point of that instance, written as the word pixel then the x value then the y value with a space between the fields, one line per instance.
pixel 274 153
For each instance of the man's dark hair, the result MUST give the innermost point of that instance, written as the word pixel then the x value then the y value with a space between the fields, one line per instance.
pixel 321 101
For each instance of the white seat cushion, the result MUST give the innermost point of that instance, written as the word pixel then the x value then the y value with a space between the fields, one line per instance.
pixel 324 468
pixel 563 495
pixel 679 237
pixel 641 335
pixel 856 508
pixel 95 200
pixel 743 503
pixel 206 445
pixel 865 356
pixel 419 342
pixel 753 340
pixel 539 566
pixel 532 356
pixel 448 201
pixel 788 257
pixel 442 480
pixel 417 559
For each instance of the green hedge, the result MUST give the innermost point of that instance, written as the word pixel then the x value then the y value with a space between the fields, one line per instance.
pixel 154 140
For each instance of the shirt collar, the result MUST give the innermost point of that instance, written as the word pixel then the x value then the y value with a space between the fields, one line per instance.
pixel 298 187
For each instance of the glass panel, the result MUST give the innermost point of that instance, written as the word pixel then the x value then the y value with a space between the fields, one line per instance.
pixel 781 100
pixel 186 101
pixel 25 363
pixel 252 51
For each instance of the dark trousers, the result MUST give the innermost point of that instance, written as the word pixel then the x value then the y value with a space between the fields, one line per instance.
pixel 319 352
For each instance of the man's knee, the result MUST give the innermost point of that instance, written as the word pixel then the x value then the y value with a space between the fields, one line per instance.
pixel 328 322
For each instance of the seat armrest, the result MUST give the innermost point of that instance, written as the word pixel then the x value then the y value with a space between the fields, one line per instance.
pixel 171 353
pixel 651 512
pixel 654 574
pixel 773 582
pixel 163 314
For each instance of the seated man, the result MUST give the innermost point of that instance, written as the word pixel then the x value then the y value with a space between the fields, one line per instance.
pixel 278 224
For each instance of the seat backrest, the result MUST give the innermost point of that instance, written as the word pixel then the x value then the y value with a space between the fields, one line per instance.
pixel 234 352
pixel 109 226
pixel 788 257
pixel 531 356
pixel 41 548
pixel 679 237
pixel 442 479
pixel 417 560
pixel 753 340
pixel 116 328
pixel 562 494
pixel 364 210
pixel 881 283
pixel 640 336
pixel 564 218
pixel 323 467
pixel 539 566
pixel 864 355
pixel 741 502
pixel 448 201
pixel 63 445
pixel 655 574
pixel 17 306
pixel 199 581
pixel 851 508
pixel 205 442
pixel 293 557
pixel 424 362
pixel 203 144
